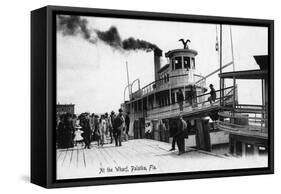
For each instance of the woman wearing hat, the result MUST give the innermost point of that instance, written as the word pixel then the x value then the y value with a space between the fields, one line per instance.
pixel 102 130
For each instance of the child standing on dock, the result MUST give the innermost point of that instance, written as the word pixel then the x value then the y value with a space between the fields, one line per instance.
pixel 102 129
pixel 78 139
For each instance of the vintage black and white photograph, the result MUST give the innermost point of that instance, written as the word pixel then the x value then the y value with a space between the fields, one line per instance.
pixel 142 97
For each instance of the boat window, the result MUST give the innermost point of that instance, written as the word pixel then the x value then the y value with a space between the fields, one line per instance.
pixel 262 150
pixel 193 62
pixel 173 98
pixel 178 63
pixel 135 107
pixel 173 64
pixel 139 105
pixel 145 104
pixel 186 62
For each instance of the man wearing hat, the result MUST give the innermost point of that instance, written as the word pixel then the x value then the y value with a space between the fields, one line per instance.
pixel 87 131
pixel 111 118
pixel 212 97
pixel 180 99
pixel 179 136
pixel 127 123
pixel 118 127
pixel 97 135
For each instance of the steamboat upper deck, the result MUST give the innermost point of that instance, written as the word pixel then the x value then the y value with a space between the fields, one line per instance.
pixel 159 99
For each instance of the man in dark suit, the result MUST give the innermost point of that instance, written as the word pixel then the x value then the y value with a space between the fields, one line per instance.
pixel 87 131
pixel 127 122
pixel 180 99
pixel 118 127
pixel 179 136
pixel 173 131
pixel 213 96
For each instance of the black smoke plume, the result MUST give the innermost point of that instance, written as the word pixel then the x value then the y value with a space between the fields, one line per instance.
pixel 73 25
pixel 110 37
pixel 137 44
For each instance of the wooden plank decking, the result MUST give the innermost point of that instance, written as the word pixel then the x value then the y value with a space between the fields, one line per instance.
pixel 140 156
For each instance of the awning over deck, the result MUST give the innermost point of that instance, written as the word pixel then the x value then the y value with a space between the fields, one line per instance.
pixel 249 74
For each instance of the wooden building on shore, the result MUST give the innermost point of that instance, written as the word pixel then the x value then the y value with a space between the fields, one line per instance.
pixel 65 108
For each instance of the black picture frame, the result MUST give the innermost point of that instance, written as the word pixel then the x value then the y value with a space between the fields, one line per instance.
pixel 43 95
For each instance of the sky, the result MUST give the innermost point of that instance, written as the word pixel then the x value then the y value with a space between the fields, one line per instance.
pixel 92 74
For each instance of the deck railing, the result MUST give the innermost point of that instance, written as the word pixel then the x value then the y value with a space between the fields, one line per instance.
pixel 198 103
pixel 203 98
pixel 245 119
pixel 166 82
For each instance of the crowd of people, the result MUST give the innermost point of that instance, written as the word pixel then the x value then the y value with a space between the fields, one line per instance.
pixel 73 130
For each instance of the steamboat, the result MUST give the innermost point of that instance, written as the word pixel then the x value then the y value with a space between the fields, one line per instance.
pixel 240 128
pixel 153 107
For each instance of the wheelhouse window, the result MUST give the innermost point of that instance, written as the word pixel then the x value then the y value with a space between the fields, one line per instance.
pixel 135 107
pixel 186 62
pixel 173 98
pixel 178 63
pixel 193 62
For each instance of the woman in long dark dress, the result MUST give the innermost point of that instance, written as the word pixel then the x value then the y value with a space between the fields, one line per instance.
pixel 65 132
pixel 87 132
pixel 69 131
pixel 97 135
pixel 60 131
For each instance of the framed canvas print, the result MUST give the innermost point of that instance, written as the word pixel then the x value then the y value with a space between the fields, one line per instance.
pixel 126 96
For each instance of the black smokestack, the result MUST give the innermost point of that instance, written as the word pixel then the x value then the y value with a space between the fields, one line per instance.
pixel 157 62
pixel 74 25
pixel 158 52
